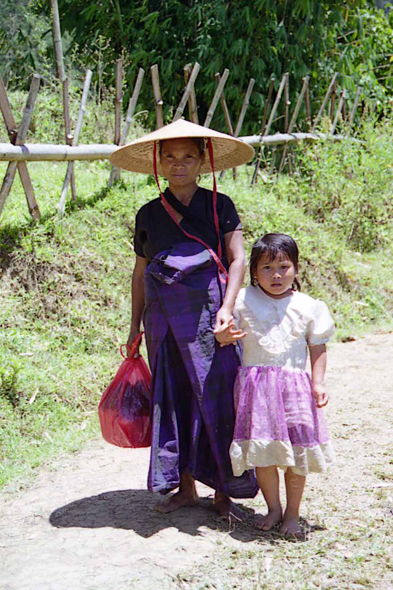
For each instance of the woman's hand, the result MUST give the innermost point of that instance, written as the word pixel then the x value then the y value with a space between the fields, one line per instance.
pixel 227 333
pixel 320 394
pixel 223 318
pixel 131 338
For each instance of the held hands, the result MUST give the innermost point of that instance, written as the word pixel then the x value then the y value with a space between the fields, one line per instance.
pixel 320 394
pixel 225 330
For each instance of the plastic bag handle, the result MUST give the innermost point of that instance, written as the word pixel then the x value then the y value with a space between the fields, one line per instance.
pixel 133 346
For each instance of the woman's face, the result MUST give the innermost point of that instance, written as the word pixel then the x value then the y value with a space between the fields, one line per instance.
pixel 181 162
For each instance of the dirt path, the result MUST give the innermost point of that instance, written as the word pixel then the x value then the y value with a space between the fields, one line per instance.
pixel 87 522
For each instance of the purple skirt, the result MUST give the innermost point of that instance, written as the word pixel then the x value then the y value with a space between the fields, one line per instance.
pixel 192 376
pixel 278 422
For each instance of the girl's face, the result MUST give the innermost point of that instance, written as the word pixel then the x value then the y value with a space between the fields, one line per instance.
pixel 275 277
pixel 181 162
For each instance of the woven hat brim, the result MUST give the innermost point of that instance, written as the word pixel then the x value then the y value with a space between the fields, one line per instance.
pixel 137 156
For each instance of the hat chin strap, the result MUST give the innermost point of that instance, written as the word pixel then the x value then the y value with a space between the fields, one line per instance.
pixel 222 271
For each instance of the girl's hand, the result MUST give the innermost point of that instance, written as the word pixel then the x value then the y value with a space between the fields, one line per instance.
pixel 228 334
pixel 320 394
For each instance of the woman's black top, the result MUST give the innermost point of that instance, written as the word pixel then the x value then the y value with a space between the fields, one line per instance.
pixel 156 231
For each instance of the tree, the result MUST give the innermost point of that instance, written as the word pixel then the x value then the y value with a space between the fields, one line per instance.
pixel 253 38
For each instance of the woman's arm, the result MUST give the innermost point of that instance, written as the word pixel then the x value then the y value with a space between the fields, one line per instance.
pixel 318 358
pixel 137 299
pixel 234 247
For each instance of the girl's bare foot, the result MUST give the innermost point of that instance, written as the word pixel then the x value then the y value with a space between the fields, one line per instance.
pixel 291 527
pixel 178 500
pixel 267 522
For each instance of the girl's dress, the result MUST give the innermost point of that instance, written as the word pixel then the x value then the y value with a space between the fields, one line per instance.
pixel 277 419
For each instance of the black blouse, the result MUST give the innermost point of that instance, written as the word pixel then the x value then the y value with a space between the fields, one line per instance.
pixel 156 231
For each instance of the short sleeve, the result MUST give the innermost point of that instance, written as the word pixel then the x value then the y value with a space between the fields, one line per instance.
pixel 139 237
pixel 321 326
pixel 229 218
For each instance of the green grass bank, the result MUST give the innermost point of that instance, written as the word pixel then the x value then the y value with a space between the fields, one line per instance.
pixel 65 284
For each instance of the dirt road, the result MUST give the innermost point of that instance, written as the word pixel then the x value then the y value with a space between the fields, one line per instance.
pixel 88 523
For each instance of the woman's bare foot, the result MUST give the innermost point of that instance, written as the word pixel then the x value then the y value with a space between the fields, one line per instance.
pixel 186 496
pixel 290 527
pixel 178 500
pixel 267 522
pixel 225 507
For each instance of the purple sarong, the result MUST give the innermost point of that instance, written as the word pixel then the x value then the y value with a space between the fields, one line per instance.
pixel 192 376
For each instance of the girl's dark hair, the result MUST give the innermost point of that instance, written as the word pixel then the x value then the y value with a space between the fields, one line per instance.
pixel 270 246
pixel 199 142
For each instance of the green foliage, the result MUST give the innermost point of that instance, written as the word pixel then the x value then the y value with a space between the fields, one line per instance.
pixel 47 123
pixel 347 187
pixel 25 47
pixel 8 383
pixel 254 38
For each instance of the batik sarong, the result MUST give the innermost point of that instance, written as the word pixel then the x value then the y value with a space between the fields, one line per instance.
pixel 192 376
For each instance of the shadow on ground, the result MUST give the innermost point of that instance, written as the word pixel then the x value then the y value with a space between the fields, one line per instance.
pixel 134 510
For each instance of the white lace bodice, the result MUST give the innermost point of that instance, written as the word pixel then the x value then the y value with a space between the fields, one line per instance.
pixel 279 330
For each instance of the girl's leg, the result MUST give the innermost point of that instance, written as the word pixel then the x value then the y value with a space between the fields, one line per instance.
pixel 269 483
pixel 294 485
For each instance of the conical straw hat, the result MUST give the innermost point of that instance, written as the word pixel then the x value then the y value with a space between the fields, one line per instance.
pixel 137 156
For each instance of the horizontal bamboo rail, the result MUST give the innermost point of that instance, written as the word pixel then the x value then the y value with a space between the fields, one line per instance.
pixel 45 152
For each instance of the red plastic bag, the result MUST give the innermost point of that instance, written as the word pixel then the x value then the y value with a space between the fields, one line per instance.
pixel 124 409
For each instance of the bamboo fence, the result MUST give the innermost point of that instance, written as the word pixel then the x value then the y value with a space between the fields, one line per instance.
pixel 18 153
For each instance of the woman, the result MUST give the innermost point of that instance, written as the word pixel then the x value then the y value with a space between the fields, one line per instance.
pixel 189 269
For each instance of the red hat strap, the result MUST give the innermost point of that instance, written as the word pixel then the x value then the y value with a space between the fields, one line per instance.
pixel 217 259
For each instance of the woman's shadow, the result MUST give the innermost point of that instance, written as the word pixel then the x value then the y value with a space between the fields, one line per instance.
pixel 135 510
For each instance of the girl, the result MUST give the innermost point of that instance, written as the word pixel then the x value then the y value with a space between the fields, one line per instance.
pixel 279 422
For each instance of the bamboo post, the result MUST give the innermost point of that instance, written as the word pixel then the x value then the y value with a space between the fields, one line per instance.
pixel 118 104
pixel 324 102
pixel 338 112
pixel 286 121
pixel 192 103
pixel 276 103
pixel 294 117
pixel 240 120
pixel 265 112
pixel 67 129
pixel 308 106
pixel 18 138
pixel 244 108
pixel 269 123
pixel 344 109
pixel 287 103
pixel 333 101
pixel 224 105
pixel 119 98
pixel 227 120
pixel 130 113
pixel 354 108
pixel 157 96
pixel 61 205
pixel 187 91
pixel 216 98
pixel 187 73
pixel 267 105
pixel 57 40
